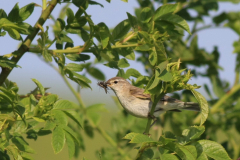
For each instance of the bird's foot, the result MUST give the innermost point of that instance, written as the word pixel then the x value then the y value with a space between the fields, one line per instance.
pixel 153 118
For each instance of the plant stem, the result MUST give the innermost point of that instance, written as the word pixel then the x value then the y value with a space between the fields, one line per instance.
pixel 78 48
pixel 27 42
pixel 44 4
pixel 156 99
pixel 236 78
pixel 233 90
pixel 76 94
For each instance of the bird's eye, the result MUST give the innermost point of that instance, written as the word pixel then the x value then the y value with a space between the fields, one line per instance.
pixel 115 82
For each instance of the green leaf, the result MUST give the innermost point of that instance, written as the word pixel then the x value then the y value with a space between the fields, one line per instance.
pixel 74 116
pixel 6 63
pixel 123 63
pixel 143 47
pixel 153 58
pixel 60 117
pixel 162 66
pixel 127 53
pixel 50 99
pixel 72 133
pixel 5 98
pixel 6 117
pixel 3 33
pixel 187 152
pixel 70 15
pixel 112 64
pixel 49 125
pixel 61 23
pixel 13 150
pixel 78 57
pixel 160 50
pixel 169 157
pixel 70 144
pixel 203 104
pixel 155 82
pixel 82 78
pixel 26 11
pixel 138 138
pixel 121 29
pixel 22 144
pixel 25 28
pixel 132 72
pixel 58 139
pixel 93 112
pixel 104 34
pixel 75 67
pixel 3 14
pixel 72 30
pixel 165 76
pixel 177 20
pixel 191 133
pixel 133 20
pixel 78 22
pixel 176 148
pixel 4 155
pixel 164 9
pixel 211 149
pixel 38 119
pixel 96 73
pixel 146 14
pixel 46 55
pixel 120 73
pixel 220 18
pixel 65 38
pixel 147 154
pixel 112 55
pixel 142 80
pixel 6 23
pixel 41 88
pixel 9 93
pixel 14 14
pixel 95 3
pixel 13 33
pixel 63 104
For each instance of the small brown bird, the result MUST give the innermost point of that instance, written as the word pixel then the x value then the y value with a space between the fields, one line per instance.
pixel 139 104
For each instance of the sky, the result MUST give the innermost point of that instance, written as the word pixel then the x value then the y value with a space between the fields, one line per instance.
pixel 111 14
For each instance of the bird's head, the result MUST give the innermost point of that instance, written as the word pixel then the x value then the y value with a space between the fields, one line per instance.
pixel 118 84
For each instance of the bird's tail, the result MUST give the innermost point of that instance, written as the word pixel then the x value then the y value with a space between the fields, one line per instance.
pixel 191 106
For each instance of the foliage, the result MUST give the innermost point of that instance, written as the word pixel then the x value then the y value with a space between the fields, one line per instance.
pixel 156 36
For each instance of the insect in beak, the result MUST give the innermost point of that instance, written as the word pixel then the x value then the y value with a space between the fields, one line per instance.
pixel 103 85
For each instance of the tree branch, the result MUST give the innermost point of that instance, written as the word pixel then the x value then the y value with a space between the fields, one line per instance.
pixel 27 42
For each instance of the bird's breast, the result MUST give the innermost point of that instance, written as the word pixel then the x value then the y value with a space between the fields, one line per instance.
pixel 135 106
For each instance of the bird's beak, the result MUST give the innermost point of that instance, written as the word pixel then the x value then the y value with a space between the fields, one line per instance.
pixel 108 84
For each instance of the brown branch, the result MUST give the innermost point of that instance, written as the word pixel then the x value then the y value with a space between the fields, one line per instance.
pixel 27 42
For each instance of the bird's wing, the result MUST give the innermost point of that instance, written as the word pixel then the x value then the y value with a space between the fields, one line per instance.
pixel 169 99
pixel 138 93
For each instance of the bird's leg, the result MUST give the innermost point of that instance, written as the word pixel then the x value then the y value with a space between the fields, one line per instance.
pixel 154 121
pixel 153 118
